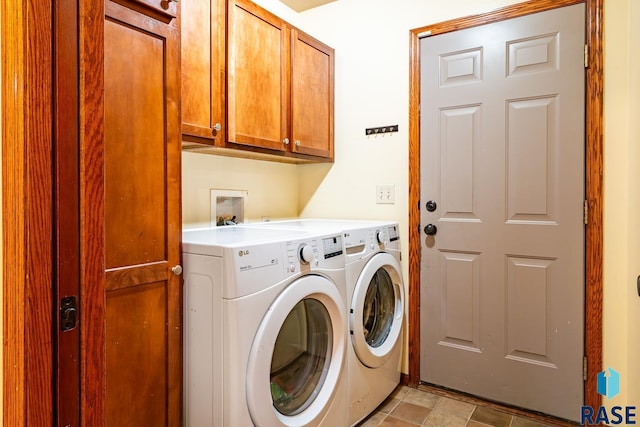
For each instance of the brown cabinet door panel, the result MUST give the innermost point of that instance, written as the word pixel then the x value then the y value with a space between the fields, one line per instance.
pixel 312 74
pixel 135 200
pixel 256 77
pixel 203 62
pixel 136 352
pixel 142 220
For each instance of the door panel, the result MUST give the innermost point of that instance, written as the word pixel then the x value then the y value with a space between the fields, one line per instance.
pixel 142 220
pixel 311 96
pixel 256 75
pixel 502 137
pixel 136 348
pixel 135 172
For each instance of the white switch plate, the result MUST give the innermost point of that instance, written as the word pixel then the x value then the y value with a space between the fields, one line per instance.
pixel 385 194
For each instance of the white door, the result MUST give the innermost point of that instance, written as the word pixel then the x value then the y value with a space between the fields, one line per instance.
pixel 298 355
pixel 377 310
pixel 502 167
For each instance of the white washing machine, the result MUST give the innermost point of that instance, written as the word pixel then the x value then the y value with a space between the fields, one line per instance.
pixel 375 303
pixel 265 331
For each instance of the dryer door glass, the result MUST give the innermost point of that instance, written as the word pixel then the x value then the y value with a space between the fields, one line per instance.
pixel 379 308
pixel 301 357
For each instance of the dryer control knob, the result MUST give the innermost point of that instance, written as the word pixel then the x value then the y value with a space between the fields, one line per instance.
pixel 305 253
pixel 381 236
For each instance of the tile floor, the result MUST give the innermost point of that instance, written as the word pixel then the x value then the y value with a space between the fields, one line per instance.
pixel 408 407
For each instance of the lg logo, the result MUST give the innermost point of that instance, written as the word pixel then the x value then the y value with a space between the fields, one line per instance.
pixel 243 252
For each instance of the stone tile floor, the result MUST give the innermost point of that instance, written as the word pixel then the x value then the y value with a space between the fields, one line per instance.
pixel 409 407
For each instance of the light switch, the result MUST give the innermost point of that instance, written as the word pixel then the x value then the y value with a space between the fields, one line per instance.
pixel 385 194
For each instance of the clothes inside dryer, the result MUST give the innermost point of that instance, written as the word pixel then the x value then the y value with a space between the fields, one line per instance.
pixel 379 309
pixel 301 357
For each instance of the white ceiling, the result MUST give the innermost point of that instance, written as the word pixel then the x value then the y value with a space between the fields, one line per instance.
pixel 301 5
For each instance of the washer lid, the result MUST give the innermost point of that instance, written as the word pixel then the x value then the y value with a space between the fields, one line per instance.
pixel 377 310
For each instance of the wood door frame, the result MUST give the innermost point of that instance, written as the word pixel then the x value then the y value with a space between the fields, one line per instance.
pixel 593 163
pixel 27 212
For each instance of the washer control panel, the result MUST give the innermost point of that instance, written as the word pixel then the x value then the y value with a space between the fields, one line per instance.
pixel 321 252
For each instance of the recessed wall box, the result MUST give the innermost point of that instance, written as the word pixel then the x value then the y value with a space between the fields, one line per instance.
pixel 228 207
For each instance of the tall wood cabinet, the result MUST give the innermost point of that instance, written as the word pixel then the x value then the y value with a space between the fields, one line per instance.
pixel 142 214
pixel 277 85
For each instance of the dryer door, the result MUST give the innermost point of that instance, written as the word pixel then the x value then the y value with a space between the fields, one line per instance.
pixel 377 309
pixel 298 355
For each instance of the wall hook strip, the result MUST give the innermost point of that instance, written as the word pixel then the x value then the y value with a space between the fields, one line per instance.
pixel 381 130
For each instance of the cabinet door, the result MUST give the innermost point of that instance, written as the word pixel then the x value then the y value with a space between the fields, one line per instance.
pixel 203 68
pixel 142 220
pixel 312 76
pixel 257 94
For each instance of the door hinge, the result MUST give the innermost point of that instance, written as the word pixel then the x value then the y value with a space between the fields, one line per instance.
pixel 584 368
pixel 586 56
pixel 585 212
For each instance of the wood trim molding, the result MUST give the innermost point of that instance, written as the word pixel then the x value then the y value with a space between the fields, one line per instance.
pixel 13 206
pixel 27 212
pixel 92 271
pixel 594 166
pixel 27 263
pixel 594 170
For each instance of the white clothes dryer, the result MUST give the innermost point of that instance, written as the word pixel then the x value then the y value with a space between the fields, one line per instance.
pixel 265 333
pixel 375 289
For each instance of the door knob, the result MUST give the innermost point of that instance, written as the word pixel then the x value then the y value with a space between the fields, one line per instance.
pixel 430 229
pixel 176 269
pixel 431 206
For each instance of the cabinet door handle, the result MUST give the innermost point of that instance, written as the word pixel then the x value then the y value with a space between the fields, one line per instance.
pixel 297 142
pixel 285 141
pixel 176 269
pixel 217 127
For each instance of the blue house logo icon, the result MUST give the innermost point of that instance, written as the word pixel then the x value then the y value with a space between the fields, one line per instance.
pixel 609 386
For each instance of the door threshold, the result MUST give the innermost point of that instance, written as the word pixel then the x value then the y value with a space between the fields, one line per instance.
pixel 512 410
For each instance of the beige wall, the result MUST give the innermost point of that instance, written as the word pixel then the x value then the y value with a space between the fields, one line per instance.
pixel 621 196
pixel 272 187
pixel 633 379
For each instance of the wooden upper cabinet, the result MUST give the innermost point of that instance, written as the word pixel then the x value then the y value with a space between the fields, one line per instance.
pixel 203 69
pixel 312 77
pixel 270 86
pixel 257 77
